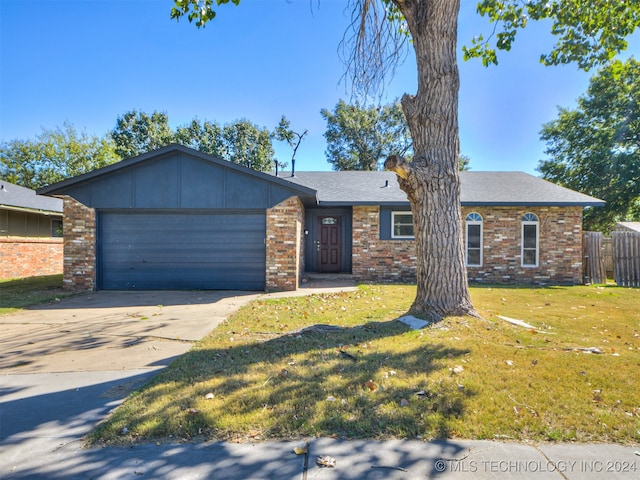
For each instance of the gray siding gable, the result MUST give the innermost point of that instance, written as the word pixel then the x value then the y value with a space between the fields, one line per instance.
pixel 177 177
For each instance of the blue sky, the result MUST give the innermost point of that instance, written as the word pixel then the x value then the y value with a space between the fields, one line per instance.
pixel 87 61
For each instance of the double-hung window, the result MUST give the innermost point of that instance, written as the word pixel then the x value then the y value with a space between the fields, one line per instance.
pixel 401 225
pixel 474 240
pixel 530 240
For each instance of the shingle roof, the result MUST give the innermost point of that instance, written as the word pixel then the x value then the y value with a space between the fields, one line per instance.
pixel 477 188
pixel 16 197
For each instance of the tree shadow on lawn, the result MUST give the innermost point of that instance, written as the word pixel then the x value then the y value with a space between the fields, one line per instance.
pixel 377 380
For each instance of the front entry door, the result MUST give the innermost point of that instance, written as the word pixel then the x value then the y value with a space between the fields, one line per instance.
pixel 329 251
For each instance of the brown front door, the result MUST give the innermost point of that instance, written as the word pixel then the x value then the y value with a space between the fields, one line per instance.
pixel 329 252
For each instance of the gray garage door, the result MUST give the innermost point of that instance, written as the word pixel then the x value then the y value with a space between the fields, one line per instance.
pixel 167 251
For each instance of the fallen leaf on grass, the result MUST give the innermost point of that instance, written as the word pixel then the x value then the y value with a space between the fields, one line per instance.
pixel 371 385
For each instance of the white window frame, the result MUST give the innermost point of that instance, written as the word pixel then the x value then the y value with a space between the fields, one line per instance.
pixel 393 223
pixel 529 219
pixel 473 219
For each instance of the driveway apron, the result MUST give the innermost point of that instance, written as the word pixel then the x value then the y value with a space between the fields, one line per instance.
pixel 64 366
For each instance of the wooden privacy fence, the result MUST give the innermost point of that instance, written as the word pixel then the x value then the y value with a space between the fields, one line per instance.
pixel 621 251
pixel 593 264
pixel 626 258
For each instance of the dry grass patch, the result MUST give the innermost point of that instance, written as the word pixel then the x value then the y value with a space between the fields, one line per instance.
pixel 262 374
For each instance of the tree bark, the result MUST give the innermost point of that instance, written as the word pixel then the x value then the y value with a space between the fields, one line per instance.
pixel 432 181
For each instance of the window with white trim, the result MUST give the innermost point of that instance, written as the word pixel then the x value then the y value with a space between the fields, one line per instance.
pixel 530 240
pixel 401 225
pixel 474 240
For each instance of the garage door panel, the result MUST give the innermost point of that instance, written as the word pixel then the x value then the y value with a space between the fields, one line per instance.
pixel 182 251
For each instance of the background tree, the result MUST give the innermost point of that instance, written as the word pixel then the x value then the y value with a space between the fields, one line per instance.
pixel 137 133
pixel 595 148
pixel 54 155
pixel 248 145
pixel 360 138
pixel 284 133
pixel 205 137
pixel 239 142
pixel 589 32
pixel 463 163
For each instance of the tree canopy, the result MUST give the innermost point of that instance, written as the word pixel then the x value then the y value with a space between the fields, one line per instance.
pixel 595 148
pixel 360 138
pixel 54 155
pixel 240 142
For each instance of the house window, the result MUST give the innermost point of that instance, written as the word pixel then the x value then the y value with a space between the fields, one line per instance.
pixel 530 240
pixel 474 240
pixel 401 225
pixel 56 228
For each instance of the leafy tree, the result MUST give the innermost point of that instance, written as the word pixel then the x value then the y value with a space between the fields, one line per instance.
pixel 239 142
pixel 137 133
pixel 361 138
pixel 54 155
pixel 205 137
pixel 595 148
pixel 463 163
pixel 248 145
pixel 589 32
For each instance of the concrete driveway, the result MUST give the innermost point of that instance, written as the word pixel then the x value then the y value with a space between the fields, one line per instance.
pixel 64 366
pixel 104 331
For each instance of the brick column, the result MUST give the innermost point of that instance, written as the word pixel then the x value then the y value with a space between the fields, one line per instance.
pixel 284 245
pixel 79 232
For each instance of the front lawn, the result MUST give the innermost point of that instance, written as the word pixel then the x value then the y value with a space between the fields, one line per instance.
pixel 20 293
pixel 359 374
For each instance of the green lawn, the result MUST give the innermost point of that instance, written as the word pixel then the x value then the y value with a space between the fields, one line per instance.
pixel 257 376
pixel 24 292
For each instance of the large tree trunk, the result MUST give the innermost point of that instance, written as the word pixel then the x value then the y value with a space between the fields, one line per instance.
pixel 432 181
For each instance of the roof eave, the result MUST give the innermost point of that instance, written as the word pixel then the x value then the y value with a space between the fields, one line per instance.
pixel 533 204
pixel 49 213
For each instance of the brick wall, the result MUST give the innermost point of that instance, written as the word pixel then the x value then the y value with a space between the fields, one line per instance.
pixel 79 231
pixel 376 260
pixel 560 248
pixel 22 257
pixel 285 245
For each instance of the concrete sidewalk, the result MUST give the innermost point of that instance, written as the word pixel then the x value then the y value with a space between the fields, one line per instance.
pixel 63 367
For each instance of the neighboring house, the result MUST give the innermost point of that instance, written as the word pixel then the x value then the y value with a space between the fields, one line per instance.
pixel 30 233
pixel 627 227
pixel 176 218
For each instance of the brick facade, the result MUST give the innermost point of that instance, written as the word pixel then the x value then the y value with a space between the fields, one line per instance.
pixel 285 245
pixel 79 231
pixel 376 260
pixel 22 257
pixel 560 248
